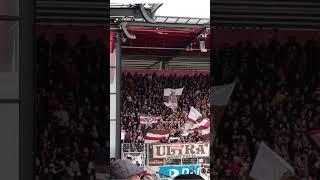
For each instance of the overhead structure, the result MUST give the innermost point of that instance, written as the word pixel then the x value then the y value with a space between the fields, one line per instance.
pixel 78 12
pixel 172 43
pixel 297 14
pixel 121 14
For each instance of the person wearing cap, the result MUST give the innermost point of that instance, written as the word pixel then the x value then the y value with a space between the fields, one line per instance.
pixel 149 176
pixel 125 170
pixel 189 176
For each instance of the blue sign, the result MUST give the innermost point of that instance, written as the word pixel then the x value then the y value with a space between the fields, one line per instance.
pixel 173 171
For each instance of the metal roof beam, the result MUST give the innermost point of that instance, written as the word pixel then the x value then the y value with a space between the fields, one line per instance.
pixel 133 12
pixel 168 25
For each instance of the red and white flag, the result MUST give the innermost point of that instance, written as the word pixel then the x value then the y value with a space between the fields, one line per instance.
pixel 148 119
pixel 155 135
pixel 194 114
pixel 220 96
pixel 204 124
pixel 205 133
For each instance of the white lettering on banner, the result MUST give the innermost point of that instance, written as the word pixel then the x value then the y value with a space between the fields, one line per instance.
pixel 188 150
pixel 185 171
pixel 173 172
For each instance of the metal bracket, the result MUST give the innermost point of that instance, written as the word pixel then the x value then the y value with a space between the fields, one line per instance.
pixel 145 15
pixel 123 26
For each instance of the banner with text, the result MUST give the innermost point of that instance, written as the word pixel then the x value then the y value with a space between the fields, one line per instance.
pixel 173 171
pixel 177 150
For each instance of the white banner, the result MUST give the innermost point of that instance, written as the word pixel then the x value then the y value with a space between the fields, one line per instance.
pixel 187 150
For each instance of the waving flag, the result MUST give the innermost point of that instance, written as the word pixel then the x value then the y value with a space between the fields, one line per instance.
pixel 194 114
pixel 173 92
pixel 204 124
pixel 268 165
pixel 220 96
pixel 155 135
pixel 148 119
pixel 172 95
pixel 205 133
pixel 172 102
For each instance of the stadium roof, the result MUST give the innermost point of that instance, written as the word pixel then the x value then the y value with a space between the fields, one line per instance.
pixel 71 12
pixel 297 14
pixel 172 46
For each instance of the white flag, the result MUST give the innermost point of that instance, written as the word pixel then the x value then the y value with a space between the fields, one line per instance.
pixel 221 94
pixel 168 92
pixel 194 114
pixel 178 91
pixel 172 103
pixel 268 165
pixel 173 92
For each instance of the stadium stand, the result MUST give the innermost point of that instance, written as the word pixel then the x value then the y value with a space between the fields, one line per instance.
pixel 145 93
pixel 71 108
pixel 276 100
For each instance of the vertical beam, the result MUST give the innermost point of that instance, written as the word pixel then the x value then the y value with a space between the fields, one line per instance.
pixel 118 91
pixel 26 63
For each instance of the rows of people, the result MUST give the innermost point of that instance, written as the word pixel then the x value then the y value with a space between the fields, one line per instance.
pixel 71 110
pixel 276 100
pixel 145 94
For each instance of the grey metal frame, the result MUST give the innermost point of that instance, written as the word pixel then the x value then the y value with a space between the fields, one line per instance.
pixel 118 91
pixel 25 21
pixel 26 88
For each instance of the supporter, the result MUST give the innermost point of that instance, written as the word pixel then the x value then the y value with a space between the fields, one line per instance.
pixel 189 176
pixel 125 169
pixel 149 176
pixel 70 120
pixel 145 93
pixel 274 101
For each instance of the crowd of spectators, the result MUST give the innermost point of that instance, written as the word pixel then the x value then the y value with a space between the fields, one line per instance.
pixel 276 100
pixel 143 94
pixel 71 110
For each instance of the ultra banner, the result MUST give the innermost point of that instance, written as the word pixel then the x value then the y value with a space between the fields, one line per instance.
pixel 188 150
